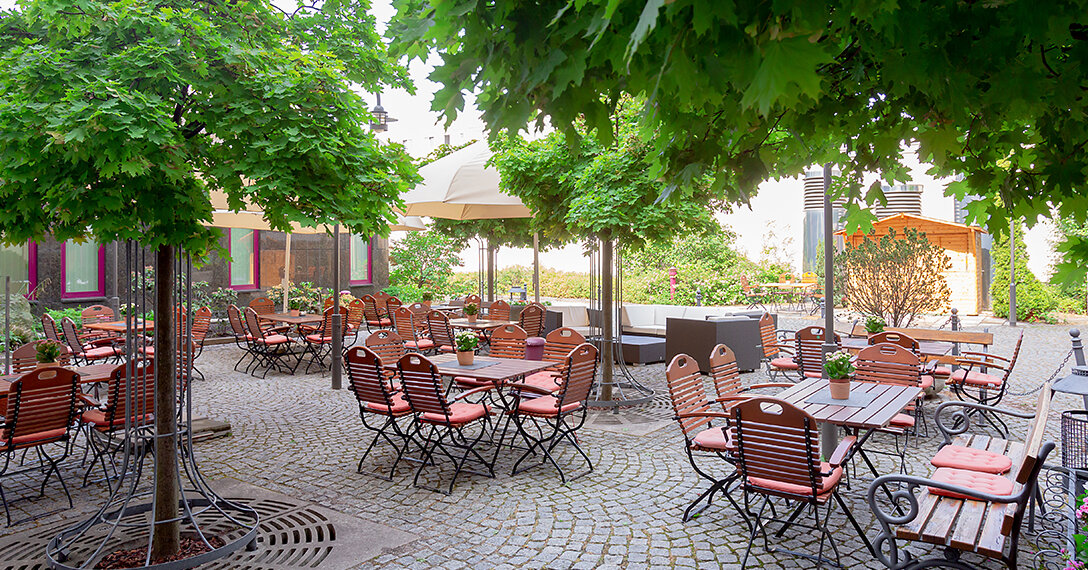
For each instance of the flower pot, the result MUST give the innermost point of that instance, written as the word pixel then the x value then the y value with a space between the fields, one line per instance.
pixel 472 318
pixel 294 312
pixel 46 365
pixel 464 358
pixel 840 388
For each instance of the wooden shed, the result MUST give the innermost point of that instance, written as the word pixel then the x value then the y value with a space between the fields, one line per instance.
pixel 962 243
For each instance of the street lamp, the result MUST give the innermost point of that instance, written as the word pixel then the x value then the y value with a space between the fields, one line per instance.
pixel 381 117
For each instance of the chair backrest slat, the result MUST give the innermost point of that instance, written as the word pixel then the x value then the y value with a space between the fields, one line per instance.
pixel 579 370
pixel 810 349
pixel 724 372
pixel 559 343
pixel 888 363
pixel 49 327
pixel 388 345
pixel 368 381
pixel 892 337
pixel 532 319
pixel 263 305
pixel 96 314
pixel 508 341
pixel 767 335
pixel 439 326
pixel 234 315
pixel 499 311
pixel 422 385
pixel 202 321
pixel 777 441
pixel 253 324
pixel 474 299
pixel 405 323
pixel 392 304
pixel 356 314
pixel 25 358
pixel 370 308
pixel 40 401
pixel 686 392
pixel 71 336
pixel 142 403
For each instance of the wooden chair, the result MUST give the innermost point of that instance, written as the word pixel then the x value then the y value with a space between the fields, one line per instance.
pixel 381 299
pixel 265 306
pixel 557 345
pixel 499 311
pixel 377 397
pixel 387 345
pixel 86 353
pixel 447 420
pixel 242 338
pixel 778 454
pixel 97 314
pixel 557 416
pixel 975 383
pixel 374 318
pixel 777 356
pixel 809 351
pixel 726 377
pixel 531 319
pixel 41 410
pixel 888 363
pixel 507 341
pixel 705 430
pixel 356 316
pixel 896 338
pixel 392 304
pixel 438 327
pixel 132 400
pixel 269 348
pixel 49 328
pixel 474 299
pixel 25 359
pixel 318 344
pixel 751 294
pixel 404 322
pixel 420 309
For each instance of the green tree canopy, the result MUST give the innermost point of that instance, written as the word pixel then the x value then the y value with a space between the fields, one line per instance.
pixel 423 260
pixel 744 90
pixel 118 116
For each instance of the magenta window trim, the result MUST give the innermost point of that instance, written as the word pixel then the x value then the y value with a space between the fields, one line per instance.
pixel 256 263
pixel 65 293
pixel 369 263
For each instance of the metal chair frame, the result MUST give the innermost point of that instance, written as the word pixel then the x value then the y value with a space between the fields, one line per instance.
pixel 321 347
pixel 773 342
pixel 983 361
pixel 100 438
pixel 242 338
pixel 371 385
pixel 271 355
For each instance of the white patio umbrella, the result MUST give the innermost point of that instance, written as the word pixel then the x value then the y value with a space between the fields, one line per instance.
pixel 460 186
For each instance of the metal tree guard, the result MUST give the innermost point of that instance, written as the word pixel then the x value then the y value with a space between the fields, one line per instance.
pixel 127 519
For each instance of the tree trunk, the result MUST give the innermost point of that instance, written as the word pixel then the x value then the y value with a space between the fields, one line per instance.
pixel 166 539
pixel 606 320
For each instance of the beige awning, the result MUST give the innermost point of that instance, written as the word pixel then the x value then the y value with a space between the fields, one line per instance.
pixel 252 218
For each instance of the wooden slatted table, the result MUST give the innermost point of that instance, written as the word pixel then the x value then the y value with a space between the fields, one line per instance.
pixel 480 324
pixel 502 370
pixel 925 347
pixel 121 326
pixel 87 375
pixel 289 319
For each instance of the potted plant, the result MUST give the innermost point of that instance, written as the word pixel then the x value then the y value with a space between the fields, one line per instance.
pixel 874 324
pixel 295 305
pixel 470 311
pixel 47 353
pixel 426 298
pixel 466 342
pixel 838 369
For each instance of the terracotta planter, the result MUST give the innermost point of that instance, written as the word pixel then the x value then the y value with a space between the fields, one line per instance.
pixel 472 318
pixel 840 388
pixel 294 312
pixel 46 365
pixel 464 358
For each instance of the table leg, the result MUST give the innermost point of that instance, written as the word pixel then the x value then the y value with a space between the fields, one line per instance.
pixel 829 439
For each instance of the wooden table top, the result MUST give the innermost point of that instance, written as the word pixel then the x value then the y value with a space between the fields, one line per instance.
pixel 925 347
pixel 290 319
pixel 890 400
pixel 504 368
pixel 789 285
pixel 480 324
pixel 120 326
pixel 87 375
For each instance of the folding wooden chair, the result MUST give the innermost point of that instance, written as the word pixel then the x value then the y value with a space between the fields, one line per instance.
pixel 404 321
pixel 557 345
pixel 126 400
pixel 888 363
pixel 372 316
pixel 557 417
pixel 265 306
pixel 445 421
pixel 532 319
pixel 319 343
pixel 25 358
pixel 269 349
pixel 975 383
pixel 778 356
pixel 86 353
pixel 41 410
pixel 377 397
pixel 507 341
pixel 242 338
pixel 810 350
pixel 778 454
pixel 438 326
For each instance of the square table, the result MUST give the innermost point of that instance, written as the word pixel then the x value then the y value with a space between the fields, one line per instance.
pixel 121 326
pixel 499 372
pixel 926 348
pixel 480 324
pixel 289 319
pixel 89 374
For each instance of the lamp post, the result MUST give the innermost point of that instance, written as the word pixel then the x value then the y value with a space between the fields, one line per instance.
pixel 1077 380
pixel 381 117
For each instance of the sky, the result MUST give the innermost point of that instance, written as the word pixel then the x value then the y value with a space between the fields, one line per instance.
pixel 775 215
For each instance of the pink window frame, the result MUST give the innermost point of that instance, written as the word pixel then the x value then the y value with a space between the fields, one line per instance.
pixel 369 263
pixel 65 293
pixel 256 263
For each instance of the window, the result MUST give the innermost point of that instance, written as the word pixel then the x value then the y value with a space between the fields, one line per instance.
pixel 359 260
pixel 84 269
pixel 20 263
pixel 242 246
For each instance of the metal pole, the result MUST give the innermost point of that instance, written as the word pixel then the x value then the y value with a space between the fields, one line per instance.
pixel 607 361
pixel 828 431
pixel 7 324
pixel 337 325
pixel 1012 273
pixel 286 273
pixel 536 267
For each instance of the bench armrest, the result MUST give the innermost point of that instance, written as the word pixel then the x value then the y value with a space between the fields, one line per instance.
pixel 959 421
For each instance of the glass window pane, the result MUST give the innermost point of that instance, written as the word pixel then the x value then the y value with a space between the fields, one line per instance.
pixel 81 267
pixel 15 262
pixel 241 253
pixel 360 258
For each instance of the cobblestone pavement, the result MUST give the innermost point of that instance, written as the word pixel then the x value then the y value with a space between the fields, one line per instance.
pixel 296 436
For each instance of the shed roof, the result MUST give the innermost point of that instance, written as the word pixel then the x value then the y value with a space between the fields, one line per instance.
pixel 931 226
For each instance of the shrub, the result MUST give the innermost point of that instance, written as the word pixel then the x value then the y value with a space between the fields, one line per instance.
pixel 311 297
pixel 1035 300
pixel 895 278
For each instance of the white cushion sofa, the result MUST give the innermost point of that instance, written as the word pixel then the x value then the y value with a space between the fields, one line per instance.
pixel 651 319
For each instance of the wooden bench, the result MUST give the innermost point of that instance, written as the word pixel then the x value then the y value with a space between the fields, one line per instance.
pixel 985 524
pixel 983 339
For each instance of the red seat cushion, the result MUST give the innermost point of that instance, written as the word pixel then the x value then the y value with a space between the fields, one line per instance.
pixel 942 371
pixel 784 363
pixel 460 413
pixel 273 339
pixel 421 344
pixel 380 322
pixel 469 382
pixel 100 352
pixel 318 338
pixel 546 380
pixel 37 438
pixel 975 378
pixel 445 348
pixel 400 406
pixel 813 374
pixel 927 382
pixel 976 480
pixel 98 419
pixel 902 420
pixel 960 457
pixel 545 406
pixel 715 438
pixel 827 485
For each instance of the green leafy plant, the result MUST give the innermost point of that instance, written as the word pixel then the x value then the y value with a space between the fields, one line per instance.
pixel 47 351
pixel 896 277
pixel 838 365
pixel 1078 558
pixel 427 296
pixel 471 309
pixel 874 324
pixel 310 297
pixel 467 341
pixel 74 313
pixel 423 260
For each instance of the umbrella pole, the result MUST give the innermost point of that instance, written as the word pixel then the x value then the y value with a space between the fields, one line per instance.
pixel 490 272
pixel 536 267
pixel 286 273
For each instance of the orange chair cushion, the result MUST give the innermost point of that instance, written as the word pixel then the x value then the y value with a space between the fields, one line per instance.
pixel 100 352
pixel 545 406
pixel 98 419
pixel 784 363
pixel 469 382
pixel 421 344
pixel 460 413
pixel 825 487
pixel 715 438
pixel 318 338
pixel 380 322
pixel 975 378
pixel 978 481
pixel 400 406
pixel 445 348
pixel 960 457
pixel 546 380
pixel 273 339
pixel 942 371
pixel 902 420
pixel 927 382
pixel 813 374
pixel 39 438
